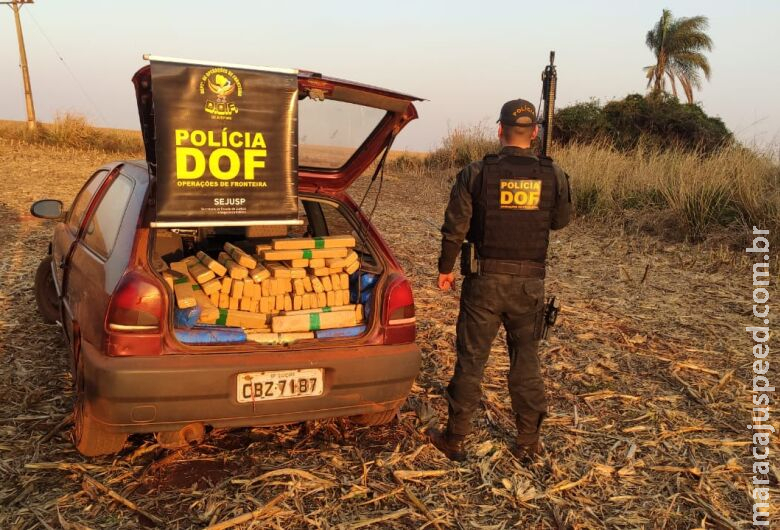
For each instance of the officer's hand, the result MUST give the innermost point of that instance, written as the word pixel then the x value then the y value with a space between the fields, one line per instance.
pixel 446 281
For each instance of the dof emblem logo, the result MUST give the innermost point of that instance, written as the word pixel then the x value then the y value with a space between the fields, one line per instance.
pixel 221 84
pixel 519 194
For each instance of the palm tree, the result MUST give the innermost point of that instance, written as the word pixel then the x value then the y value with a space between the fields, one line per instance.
pixel 678 45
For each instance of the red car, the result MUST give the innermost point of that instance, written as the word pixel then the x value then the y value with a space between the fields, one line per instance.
pixel 101 282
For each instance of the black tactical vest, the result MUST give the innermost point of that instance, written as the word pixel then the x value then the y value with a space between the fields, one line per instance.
pixel 514 200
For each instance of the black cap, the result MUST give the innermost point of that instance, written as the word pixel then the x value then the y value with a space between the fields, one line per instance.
pixel 518 112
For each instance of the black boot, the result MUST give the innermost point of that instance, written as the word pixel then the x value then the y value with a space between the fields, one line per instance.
pixel 451 446
pixel 527 446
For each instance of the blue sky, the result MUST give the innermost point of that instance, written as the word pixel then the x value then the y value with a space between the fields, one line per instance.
pixel 466 58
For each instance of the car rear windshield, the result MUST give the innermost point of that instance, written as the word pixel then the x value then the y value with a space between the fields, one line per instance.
pixel 330 131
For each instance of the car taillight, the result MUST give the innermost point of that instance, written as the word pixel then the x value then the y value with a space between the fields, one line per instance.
pixel 134 315
pixel 398 314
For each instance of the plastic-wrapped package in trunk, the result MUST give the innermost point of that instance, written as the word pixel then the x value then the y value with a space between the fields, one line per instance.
pixel 205 334
pixel 353 331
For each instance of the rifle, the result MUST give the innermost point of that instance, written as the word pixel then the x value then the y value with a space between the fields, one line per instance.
pixel 549 85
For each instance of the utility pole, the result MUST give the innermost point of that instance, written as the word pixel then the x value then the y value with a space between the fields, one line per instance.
pixel 16 5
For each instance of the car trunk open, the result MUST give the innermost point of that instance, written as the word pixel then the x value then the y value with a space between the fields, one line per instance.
pixel 321 216
pixel 342 128
pixel 359 145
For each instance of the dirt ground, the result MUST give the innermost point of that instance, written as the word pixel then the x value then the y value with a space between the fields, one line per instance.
pixel 646 374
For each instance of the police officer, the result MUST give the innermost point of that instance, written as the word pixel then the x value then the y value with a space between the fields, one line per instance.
pixel 505 205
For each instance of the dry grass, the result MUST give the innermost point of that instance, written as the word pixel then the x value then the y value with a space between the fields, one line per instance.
pixel 74 131
pixel 735 188
pixel 647 376
pixel 669 192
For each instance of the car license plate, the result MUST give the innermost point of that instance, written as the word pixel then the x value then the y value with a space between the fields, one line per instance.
pixel 279 384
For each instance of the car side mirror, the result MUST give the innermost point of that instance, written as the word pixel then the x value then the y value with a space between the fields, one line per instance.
pixel 47 209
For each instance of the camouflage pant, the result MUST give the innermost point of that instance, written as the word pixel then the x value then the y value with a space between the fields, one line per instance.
pixel 486 302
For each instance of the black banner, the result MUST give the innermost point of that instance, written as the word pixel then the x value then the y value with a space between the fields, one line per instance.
pixel 226 144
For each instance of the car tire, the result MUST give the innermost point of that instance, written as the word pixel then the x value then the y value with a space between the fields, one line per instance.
pixel 375 418
pixel 89 436
pixel 46 293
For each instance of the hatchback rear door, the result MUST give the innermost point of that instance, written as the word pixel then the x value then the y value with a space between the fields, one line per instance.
pixel 343 127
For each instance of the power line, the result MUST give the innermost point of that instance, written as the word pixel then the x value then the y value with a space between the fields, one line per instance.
pixel 72 74
pixel 746 127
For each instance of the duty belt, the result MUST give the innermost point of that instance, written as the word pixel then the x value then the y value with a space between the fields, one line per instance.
pixel 525 269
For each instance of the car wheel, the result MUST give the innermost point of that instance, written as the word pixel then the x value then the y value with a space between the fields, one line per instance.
pixel 46 293
pixel 375 418
pixel 89 436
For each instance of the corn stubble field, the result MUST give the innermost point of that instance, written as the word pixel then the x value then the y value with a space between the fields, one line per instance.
pixel 647 375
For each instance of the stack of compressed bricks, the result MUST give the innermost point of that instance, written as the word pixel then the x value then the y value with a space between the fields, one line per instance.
pixel 322 266
pixel 317 268
pixel 278 286
pixel 198 280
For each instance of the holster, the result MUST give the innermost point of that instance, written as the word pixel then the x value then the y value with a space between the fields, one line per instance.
pixel 469 261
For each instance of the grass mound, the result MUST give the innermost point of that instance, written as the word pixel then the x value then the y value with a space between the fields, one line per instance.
pixel 657 118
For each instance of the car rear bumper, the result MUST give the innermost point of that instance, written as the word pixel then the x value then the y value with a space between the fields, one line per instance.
pixel 147 394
